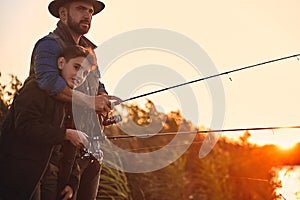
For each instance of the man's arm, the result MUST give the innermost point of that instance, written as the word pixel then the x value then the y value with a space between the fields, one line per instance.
pixel 44 66
pixel 45 56
pixel 100 103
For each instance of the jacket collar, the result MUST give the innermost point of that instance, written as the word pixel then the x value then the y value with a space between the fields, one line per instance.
pixel 64 33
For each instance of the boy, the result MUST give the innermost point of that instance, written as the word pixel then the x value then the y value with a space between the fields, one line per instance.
pixel 32 133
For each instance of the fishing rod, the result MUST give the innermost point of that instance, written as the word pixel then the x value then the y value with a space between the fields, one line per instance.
pixel 203 132
pixel 198 80
pixel 212 76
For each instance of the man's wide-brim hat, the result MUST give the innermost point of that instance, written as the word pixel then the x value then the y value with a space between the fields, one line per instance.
pixel 56 4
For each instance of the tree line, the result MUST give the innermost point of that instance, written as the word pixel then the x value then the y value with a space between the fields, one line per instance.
pixel 232 170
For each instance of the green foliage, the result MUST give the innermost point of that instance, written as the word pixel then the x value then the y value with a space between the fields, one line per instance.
pixel 232 170
pixel 113 183
pixel 152 185
pixel 208 177
pixel 7 93
pixel 3 111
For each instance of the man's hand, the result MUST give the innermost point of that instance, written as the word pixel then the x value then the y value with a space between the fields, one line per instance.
pixel 77 138
pixel 105 103
pixel 67 193
pixel 115 100
pixel 102 103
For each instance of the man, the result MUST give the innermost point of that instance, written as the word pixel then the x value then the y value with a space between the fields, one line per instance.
pixel 75 21
pixel 32 135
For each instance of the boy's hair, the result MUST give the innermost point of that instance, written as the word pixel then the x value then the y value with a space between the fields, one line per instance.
pixel 79 51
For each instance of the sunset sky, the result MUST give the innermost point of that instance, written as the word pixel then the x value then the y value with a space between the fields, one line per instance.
pixel 233 33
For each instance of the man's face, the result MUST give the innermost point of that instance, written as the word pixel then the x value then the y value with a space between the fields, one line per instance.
pixel 80 17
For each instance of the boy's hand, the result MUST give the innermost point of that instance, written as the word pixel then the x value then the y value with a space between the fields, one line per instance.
pixel 67 193
pixel 77 138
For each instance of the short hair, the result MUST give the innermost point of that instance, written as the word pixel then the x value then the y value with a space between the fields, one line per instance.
pixel 74 51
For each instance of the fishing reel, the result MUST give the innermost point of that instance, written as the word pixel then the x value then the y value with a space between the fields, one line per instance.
pixel 84 153
pixel 111 120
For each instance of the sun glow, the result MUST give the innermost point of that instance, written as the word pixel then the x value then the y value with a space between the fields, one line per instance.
pixel 290 180
pixel 285 145
pixel 283 138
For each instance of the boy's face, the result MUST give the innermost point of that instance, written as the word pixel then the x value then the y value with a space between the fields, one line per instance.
pixel 74 71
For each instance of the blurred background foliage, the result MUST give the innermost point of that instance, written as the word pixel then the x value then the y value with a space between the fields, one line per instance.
pixel 7 93
pixel 232 170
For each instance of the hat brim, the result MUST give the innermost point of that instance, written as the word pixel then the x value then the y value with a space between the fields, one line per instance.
pixel 55 5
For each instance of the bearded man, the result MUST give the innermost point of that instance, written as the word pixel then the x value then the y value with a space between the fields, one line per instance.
pixel 75 17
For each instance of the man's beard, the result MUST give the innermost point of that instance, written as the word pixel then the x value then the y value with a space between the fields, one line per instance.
pixel 74 26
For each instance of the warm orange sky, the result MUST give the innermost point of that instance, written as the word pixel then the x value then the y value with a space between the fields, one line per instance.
pixel 233 33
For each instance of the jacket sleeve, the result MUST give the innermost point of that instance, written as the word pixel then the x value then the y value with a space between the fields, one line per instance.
pixel 32 124
pixel 45 55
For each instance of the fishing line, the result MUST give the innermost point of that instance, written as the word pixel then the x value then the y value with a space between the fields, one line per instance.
pixel 202 131
pixel 212 76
